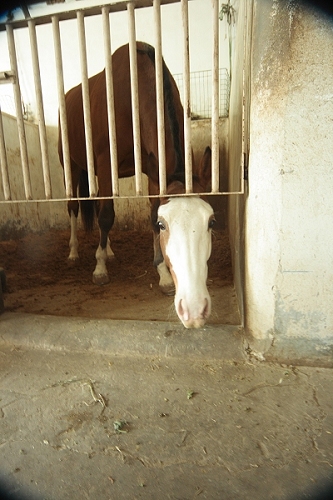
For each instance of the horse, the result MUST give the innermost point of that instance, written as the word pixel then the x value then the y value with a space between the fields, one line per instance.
pixel 182 226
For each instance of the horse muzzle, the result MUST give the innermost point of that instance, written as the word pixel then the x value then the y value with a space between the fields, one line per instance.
pixel 194 316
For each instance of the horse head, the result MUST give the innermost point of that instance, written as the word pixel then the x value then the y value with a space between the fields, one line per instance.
pixel 184 227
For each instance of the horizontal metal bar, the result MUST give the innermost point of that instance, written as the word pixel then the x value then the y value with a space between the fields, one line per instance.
pixel 88 11
pixel 126 197
pixel 7 76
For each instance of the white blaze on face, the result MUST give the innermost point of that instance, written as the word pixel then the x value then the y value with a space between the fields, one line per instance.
pixel 185 237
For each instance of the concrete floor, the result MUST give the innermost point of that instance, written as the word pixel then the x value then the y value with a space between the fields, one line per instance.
pixel 100 409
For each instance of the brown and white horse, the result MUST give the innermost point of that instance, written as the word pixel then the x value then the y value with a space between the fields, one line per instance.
pixel 182 225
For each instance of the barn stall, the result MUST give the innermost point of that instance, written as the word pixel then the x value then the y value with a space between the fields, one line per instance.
pixel 255 215
pixel 199 412
pixel 46 65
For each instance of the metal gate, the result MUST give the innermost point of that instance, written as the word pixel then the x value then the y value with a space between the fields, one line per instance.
pixel 81 15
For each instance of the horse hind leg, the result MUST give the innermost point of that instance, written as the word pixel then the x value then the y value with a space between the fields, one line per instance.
pixel 109 251
pixel 166 282
pixel 104 252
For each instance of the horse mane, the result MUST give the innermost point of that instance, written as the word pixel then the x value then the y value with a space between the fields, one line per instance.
pixel 179 172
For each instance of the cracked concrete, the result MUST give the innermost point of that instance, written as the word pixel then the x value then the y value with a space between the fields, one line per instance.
pixel 108 419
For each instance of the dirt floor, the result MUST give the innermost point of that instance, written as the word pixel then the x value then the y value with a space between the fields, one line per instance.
pixel 41 280
pixel 96 408
pixel 86 414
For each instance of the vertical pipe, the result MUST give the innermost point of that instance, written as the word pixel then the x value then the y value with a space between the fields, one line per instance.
pixel 86 103
pixel 135 98
pixel 247 43
pixel 62 108
pixel 187 99
pixel 3 163
pixel 19 114
pixel 110 101
pixel 215 99
pixel 159 98
pixel 40 109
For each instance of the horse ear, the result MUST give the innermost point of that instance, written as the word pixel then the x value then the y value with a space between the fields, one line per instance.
pixel 205 168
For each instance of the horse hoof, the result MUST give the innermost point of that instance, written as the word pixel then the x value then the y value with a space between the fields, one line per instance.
pixel 100 279
pixel 168 289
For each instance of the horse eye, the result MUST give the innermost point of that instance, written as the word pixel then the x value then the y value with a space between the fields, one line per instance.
pixel 160 225
pixel 211 223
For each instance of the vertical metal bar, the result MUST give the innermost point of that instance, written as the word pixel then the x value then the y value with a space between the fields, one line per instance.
pixel 187 99
pixel 40 109
pixel 215 99
pixel 19 114
pixel 62 108
pixel 86 103
pixel 160 98
pixel 135 98
pixel 110 101
pixel 4 163
pixel 247 47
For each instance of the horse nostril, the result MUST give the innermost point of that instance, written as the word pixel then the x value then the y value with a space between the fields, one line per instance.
pixel 182 311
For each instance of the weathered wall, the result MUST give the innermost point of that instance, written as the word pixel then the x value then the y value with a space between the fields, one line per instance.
pixel 37 216
pixel 289 229
pixel 19 217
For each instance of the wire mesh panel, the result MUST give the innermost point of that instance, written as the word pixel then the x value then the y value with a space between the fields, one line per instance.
pixel 7 104
pixel 201 92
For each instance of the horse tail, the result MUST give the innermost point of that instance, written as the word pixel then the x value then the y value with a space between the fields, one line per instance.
pixel 87 206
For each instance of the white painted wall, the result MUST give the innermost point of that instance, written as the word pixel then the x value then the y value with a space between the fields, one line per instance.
pixel 289 207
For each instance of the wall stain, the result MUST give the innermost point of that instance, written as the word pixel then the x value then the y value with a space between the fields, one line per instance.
pixel 289 321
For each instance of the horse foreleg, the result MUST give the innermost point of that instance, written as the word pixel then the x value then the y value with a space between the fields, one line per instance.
pixel 103 252
pixel 166 282
pixel 109 251
pixel 73 242
pixel 100 274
